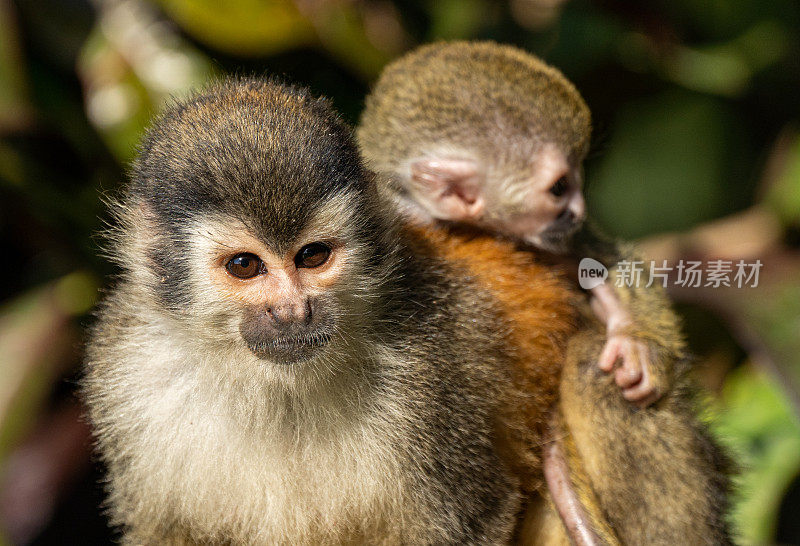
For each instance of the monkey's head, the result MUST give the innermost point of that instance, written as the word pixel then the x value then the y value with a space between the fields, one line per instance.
pixel 251 223
pixel 481 133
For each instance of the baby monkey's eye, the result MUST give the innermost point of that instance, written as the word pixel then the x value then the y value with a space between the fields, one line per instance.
pixel 560 187
pixel 245 266
pixel 312 255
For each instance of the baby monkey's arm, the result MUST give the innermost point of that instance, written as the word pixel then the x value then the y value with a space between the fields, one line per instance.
pixel 642 331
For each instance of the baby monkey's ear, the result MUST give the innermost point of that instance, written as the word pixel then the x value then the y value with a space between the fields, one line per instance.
pixel 451 189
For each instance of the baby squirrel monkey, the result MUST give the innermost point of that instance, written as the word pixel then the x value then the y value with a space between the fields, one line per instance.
pixel 283 362
pixel 488 135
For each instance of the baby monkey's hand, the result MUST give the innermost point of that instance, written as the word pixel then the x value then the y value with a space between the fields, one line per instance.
pixel 642 372
pixel 636 374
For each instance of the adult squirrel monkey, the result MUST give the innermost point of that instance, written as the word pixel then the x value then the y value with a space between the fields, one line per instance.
pixel 283 361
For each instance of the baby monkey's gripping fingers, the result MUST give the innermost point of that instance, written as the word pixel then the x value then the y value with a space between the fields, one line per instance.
pixel 642 372
pixel 643 340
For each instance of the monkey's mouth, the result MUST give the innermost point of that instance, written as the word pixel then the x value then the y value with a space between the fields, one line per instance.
pixel 558 235
pixel 555 241
pixel 291 349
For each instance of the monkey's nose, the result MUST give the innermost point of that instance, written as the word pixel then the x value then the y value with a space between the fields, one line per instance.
pixel 565 217
pixel 284 314
pixel 577 206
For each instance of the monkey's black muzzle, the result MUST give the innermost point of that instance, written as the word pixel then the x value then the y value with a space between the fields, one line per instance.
pixel 286 336
pixel 558 235
pixel 290 350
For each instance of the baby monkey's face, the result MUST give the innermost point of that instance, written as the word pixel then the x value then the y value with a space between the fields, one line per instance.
pixel 537 200
pixel 549 207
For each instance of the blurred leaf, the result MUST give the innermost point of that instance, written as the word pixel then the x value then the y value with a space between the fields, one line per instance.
pixel 341 31
pixel 11 166
pixel 784 195
pixel 117 103
pixel 454 19
pixel 14 108
pixel 244 27
pixel 723 19
pixel 760 425
pixel 593 37
pixel 131 64
pixel 37 341
pixel 719 70
pixel 665 167
pixel 773 313
pixel 727 69
pixel 76 293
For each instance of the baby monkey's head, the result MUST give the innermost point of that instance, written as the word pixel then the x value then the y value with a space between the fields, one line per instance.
pixel 250 223
pixel 481 133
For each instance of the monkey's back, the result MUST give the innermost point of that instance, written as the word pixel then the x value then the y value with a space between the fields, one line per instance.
pixel 540 308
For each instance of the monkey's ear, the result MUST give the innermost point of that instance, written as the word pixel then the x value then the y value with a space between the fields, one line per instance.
pixel 452 189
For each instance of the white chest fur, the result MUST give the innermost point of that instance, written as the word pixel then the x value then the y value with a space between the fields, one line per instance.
pixel 245 458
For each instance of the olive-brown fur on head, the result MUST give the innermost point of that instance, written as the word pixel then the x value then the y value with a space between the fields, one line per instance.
pixel 470 93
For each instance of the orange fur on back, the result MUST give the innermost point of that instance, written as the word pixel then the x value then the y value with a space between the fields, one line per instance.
pixel 541 310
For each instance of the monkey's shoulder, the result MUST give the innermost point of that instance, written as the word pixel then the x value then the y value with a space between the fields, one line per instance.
pixel 537 299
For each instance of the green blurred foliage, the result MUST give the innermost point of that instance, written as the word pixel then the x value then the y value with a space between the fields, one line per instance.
pixel 668 168
pixel 245 27
pixel 764 433
pixel 784 195
pixel 695 103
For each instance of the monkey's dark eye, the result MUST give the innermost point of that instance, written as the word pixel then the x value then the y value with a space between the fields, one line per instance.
pixel 244 266
pixel 560 187
pixel 312 255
